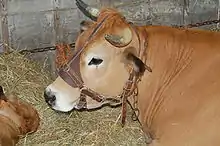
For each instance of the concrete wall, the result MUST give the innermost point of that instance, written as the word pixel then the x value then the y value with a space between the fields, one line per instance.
pixel 42 23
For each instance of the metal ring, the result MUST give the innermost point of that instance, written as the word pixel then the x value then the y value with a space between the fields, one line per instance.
pixel 66 67
pixel 134 116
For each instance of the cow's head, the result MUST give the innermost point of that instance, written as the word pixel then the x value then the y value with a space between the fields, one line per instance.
pixel 105 61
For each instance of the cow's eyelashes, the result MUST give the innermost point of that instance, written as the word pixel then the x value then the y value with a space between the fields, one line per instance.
pixel 95 61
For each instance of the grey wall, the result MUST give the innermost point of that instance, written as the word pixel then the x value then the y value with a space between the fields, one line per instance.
pixel 41 23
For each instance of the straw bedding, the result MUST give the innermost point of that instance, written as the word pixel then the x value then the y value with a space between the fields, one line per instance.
pixel 28 80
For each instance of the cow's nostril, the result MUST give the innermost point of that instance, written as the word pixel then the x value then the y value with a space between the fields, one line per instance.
pixel 53 98
pixel 50 99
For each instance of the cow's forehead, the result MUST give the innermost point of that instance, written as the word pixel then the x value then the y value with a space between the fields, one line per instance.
pixel 111 18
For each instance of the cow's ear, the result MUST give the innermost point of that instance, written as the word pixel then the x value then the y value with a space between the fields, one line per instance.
pixel 84 25
pixel 131 58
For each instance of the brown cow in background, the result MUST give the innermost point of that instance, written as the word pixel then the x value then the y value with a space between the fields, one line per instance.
pixel 16 118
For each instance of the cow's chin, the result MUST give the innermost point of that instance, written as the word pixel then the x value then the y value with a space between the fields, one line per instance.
pixel 65 107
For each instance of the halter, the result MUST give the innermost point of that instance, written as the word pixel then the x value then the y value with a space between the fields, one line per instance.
pixel 70 73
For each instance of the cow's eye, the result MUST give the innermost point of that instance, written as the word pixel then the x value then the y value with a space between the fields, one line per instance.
pixel 95 61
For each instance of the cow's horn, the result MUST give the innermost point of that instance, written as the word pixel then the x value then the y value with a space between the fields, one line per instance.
pixel 120 40
pixel 90 12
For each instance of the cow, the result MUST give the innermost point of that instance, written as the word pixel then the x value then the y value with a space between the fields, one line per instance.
pixel 17 118
pixel 176 72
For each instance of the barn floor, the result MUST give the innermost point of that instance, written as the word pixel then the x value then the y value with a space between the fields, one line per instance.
pixel 28 80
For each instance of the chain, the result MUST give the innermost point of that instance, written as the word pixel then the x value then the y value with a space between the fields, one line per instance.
pixel 135 109
pixel 37 50
pixel 198 24
pixel 134 116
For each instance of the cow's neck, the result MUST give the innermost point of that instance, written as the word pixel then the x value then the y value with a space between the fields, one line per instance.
pixel 166 62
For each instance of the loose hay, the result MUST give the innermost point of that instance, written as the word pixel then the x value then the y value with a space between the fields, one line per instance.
pixel 28 80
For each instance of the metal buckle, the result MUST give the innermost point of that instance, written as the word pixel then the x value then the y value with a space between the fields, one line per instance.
pixel 134 117
pixel 82 102
pixel 66 67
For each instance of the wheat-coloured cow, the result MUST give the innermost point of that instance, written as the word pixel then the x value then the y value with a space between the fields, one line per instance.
pixel 178 102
